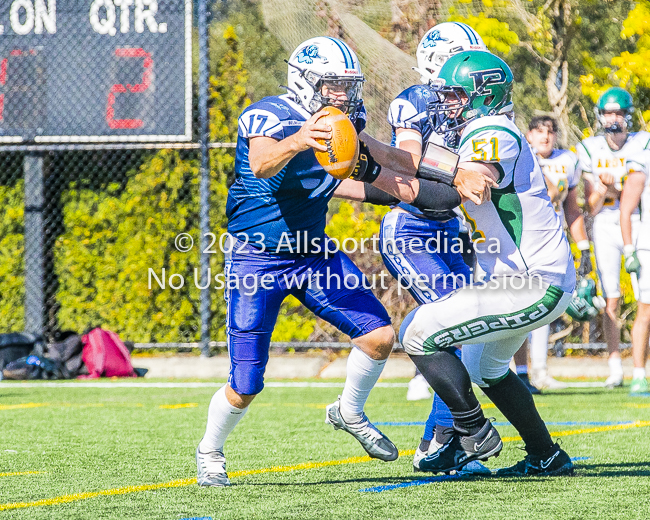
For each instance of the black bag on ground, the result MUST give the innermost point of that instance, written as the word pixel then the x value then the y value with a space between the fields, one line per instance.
pixel 67 354
pixel 15 345
pixel 32 367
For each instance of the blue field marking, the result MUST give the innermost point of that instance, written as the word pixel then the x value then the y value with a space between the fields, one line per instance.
pixel 198 518
pixel 641 394
pixel 564 423
pixel 433 480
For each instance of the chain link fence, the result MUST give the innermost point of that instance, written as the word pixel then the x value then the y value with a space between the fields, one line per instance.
pixel 103 145
pixel 117 119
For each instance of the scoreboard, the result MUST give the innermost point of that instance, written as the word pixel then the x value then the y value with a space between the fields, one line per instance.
pixel 74 71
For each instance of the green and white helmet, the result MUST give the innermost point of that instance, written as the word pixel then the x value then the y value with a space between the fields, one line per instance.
pixel 470 85
pixel 615 98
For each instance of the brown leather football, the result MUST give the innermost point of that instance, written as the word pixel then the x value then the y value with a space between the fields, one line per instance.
pixel 342 149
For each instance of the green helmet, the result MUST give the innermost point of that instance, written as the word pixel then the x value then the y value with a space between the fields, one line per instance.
pixel 470 85
pixel 615 98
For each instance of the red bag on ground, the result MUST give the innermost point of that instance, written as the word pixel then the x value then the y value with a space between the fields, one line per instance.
pixel 105 355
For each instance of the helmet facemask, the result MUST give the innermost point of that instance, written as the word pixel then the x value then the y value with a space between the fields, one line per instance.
pixel 455 108
pixel 616 127
pixel 346 91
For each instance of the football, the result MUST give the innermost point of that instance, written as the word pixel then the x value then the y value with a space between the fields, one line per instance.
pixel 342 149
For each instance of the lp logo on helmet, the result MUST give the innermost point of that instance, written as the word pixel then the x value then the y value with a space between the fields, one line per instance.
pixel 485 78
pixel 433 38
pixel 308 55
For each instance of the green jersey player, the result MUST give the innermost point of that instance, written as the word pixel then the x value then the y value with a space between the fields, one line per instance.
pixel 636 193
pixel 603 159
pixel 521 246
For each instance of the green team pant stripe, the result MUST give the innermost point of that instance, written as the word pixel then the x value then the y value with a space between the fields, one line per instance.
pixel 510 213
pixel 483 325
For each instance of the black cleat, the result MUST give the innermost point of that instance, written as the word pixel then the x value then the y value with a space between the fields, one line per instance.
pixel 532 389
pixel 554 464
pixel 462 449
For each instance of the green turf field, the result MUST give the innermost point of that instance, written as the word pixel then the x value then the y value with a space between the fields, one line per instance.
pixel 128 453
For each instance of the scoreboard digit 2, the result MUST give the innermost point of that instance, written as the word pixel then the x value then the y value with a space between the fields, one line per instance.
pixel 95 71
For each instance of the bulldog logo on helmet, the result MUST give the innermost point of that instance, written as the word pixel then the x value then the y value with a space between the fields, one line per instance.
pixel 308 55
pixel 432 39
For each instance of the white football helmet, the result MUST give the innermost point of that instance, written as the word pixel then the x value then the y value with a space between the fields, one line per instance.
pixel 440 43
pixel 329 62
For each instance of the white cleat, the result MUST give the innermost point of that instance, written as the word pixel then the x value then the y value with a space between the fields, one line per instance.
pixel 614 381
pixel 418 389
pixel 540 379
pixel 211 469
pixel 376 444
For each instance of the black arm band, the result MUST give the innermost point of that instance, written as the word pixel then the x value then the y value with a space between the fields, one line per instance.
pixel 378 197
pixel 366 170
pixel 436 196
pixel 438 164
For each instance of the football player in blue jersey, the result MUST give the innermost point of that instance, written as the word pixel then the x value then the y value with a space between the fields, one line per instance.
pixel 276 223
pixel 430 270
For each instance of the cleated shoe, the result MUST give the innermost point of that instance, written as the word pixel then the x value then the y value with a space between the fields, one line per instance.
pixel 614 380
pixel 540 379
pixel 424 449
pixel 418 389
pixel 639 386
pixel 463 449
pixel 211 469
pixel 376 444
pixel 475 468
pixel 557 463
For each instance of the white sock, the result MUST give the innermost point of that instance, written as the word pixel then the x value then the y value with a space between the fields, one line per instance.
pixel 222 419
pixel 638 373
pixel 362 374
pixel 615 366
pixel 521 369
pixel 539 347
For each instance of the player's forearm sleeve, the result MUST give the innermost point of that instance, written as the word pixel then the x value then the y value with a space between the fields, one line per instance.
pixel 378 197
pixel 434 195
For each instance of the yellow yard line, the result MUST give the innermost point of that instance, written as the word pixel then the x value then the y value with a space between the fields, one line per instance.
pixel 63 499
pixel 20 406
pixel 177 406
pixel 302 465
pixel 637 424
pixel 18 473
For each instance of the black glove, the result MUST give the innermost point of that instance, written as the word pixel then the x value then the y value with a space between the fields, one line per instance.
pixel 366 170
pixel 585 264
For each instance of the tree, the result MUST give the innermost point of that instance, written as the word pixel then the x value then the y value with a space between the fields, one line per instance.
pixel 12 264
pixel 117 239
pixel 628 70
pixel 559 35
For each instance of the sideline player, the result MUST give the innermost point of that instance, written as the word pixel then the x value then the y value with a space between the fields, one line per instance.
pixel 529 276
pixel 604 157
pixel 562 175
pixel 406 231
pixel 280 194
pixel 636 193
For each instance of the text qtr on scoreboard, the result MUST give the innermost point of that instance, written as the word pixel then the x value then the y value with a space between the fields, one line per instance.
pixel 95 71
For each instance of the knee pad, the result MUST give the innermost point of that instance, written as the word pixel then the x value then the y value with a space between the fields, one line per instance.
pixel 246 378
